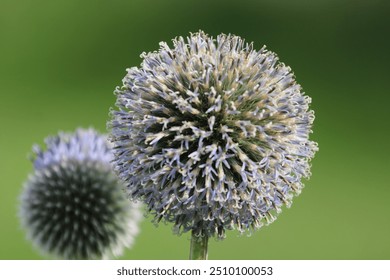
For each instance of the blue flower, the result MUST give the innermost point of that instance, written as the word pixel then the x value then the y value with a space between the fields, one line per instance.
pixel 212 134
pixel 73 205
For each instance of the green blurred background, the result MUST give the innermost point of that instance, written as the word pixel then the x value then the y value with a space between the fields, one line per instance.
pixel 61 60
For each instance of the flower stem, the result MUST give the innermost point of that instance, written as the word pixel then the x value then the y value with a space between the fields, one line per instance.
pixel 198 249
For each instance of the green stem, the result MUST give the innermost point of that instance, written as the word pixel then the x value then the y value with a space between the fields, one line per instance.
pixel 198 249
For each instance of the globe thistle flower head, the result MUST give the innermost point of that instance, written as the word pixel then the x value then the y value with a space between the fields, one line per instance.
pixel 212 134
pixel 73 205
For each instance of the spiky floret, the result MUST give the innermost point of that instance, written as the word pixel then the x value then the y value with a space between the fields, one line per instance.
pixel 73 205
pixel 212 134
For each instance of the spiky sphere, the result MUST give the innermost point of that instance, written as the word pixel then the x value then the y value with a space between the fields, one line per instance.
pixel 73 205
pixel 212 134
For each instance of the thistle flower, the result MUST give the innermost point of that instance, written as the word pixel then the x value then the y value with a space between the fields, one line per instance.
pixel 73 205
pixel 212 134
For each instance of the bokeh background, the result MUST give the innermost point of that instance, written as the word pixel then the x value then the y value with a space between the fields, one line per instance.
pixel 61 60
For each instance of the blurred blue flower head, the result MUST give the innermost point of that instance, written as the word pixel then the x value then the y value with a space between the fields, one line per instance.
pixel 73 205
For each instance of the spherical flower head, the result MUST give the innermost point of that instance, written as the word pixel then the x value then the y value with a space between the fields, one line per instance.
pixel 212 134
pixel 73 205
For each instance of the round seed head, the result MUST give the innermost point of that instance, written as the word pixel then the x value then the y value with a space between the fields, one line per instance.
pixel 73 205
pixel 212 134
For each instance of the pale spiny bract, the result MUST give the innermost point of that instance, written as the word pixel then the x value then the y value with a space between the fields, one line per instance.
pixel 212 134
pixel 73 205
